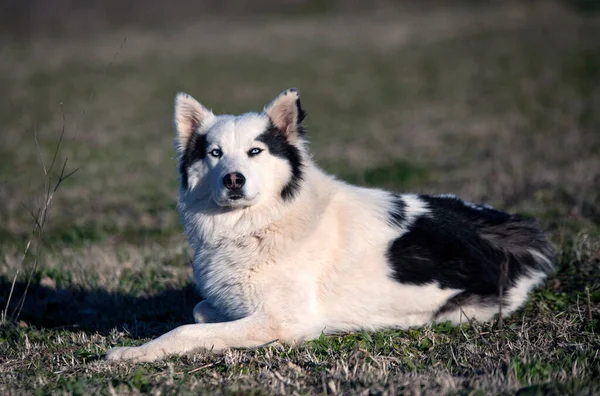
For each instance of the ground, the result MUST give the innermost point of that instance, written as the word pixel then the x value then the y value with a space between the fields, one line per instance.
pixel 496 104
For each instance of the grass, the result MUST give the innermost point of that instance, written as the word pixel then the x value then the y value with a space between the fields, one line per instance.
pixel 496 104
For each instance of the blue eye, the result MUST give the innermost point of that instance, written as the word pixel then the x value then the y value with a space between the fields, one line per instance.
pixel 254 151
pixel 216 153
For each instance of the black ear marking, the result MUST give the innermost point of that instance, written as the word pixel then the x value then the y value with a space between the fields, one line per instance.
pixel 286 114
pixel 194 151
pixel 279 146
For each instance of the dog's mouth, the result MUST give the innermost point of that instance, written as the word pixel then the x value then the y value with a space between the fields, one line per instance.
pixel 235 200
pixel 235 197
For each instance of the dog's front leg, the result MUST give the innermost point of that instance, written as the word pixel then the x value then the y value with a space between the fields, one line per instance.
pixel 248 332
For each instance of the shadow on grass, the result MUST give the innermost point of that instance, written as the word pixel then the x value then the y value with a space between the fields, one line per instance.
pixel 98 311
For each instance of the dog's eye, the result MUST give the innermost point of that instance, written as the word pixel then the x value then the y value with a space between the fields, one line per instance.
pixel 216 153
pixel 254 151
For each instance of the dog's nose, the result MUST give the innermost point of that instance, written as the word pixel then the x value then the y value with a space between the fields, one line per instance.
pixel 234 181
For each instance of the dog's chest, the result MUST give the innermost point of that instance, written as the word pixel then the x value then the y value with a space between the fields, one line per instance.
pixel 227 275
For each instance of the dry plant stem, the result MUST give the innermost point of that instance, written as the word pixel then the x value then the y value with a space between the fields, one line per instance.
pixel 42 213
pixel 12 287
pixel 472 323
pixel 589 303
pixel 502 282
pixel 39 220
pixel 202 368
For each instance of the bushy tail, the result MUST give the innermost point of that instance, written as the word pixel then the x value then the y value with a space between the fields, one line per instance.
pixel 522 240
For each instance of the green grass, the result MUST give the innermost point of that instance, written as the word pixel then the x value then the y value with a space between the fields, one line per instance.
pixel 493 104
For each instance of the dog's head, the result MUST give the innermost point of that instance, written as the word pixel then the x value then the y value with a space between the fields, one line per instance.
pixel 240 161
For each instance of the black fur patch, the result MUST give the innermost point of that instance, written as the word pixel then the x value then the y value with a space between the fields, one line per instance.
pixel 280 147
pixel 195 151
pixel 468 247
pixel 301 117
pixel 398 212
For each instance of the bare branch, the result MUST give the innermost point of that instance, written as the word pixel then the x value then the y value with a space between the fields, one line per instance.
pixel 472 323
pixel 40 152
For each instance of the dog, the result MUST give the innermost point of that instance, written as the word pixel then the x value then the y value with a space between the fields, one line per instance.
pixel 285 252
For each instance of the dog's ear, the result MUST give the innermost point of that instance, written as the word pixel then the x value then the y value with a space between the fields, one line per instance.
pixel 189 116
pixel 286 114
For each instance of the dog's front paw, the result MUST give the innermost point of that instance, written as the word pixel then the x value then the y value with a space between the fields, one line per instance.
pixel 133 354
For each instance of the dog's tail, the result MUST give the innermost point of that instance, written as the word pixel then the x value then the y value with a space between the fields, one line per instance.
pixel 523 244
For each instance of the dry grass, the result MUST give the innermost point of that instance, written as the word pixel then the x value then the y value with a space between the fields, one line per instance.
pixel 497 104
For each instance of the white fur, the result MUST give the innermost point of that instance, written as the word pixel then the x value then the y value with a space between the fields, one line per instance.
pixel 271 269
pixel 519 293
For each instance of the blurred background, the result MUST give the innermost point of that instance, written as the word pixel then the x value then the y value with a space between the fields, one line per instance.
pixel 497 101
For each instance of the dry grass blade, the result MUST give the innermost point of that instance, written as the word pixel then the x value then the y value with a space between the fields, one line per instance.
pixel 501 284
pixel 202 367
pixel 589 303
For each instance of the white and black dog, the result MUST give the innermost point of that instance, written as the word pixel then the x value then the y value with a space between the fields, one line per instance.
pixel 284 251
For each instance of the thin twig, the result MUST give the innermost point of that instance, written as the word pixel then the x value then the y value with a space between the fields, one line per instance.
pixel 501 284
pixel 34 217
pixel 475 328
pixel 60 138
pixel 12 287
pixel 589 303
pixel 202 367
pixel 44 206
pixel 40 219
pixel 40 152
